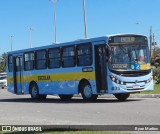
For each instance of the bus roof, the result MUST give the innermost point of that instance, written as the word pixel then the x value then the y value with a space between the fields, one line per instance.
pixel 79 41
pixel 126 34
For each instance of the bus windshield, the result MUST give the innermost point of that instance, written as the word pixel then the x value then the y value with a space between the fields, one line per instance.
pixel 129 57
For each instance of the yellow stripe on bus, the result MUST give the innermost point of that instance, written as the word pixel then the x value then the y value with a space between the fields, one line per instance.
pixel 55 77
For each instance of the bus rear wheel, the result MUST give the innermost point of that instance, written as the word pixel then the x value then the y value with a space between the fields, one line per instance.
pixel 34 91
pixel 86 91
pixel 122 97
pixel 66 97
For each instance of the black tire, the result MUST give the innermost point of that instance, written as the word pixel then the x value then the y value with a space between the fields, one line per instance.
pixel 122 97
pixel 34 91
pixel 86 91
pixel 42 97
pixel 66 97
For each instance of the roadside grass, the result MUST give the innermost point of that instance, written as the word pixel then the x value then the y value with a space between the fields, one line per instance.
pixel 155 91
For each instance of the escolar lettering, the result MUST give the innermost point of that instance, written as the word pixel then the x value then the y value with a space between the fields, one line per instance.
pixel 41 78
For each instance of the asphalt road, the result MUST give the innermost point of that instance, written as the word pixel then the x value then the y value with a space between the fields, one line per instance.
pixel 21 110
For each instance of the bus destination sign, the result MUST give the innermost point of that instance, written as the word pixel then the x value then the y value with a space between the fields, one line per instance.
pixel 127 39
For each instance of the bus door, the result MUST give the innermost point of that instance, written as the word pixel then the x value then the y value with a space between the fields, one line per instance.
pixel 100 68
pixel 18 74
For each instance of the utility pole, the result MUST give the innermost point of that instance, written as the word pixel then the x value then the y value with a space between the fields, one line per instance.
pixel 151 41
pixel 54 11
pixel 11 39
pixel 30 34
pixel 154 50
pixel 85 24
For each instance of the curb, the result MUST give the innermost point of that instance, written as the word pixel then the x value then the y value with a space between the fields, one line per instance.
pixel 134 96
pixel 145 95
pixel 112 96
pixel 131 96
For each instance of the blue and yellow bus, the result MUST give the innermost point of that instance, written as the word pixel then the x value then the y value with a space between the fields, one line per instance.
pixel 115 64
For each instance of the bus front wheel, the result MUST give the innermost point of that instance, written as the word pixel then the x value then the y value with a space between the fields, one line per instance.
pixel 122 97
pixel 34 91
pixel 86 91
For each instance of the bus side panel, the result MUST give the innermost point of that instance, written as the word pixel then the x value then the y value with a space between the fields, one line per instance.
pixel 26 87
pixel 65 87
pixel 64 81
pixel 10 83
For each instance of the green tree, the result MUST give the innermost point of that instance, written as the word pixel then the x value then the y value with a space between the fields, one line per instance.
pixel 3 63
pixel 157 52
pixel 156 64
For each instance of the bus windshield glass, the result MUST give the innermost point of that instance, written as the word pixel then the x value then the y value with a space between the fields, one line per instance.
pixel 129 57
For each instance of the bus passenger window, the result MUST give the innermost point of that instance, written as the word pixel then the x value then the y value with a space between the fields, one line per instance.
pixel 41 59
pixel 54 58
pixel 10 65
pixel 29 61
pixel 68 56
pixel 84 55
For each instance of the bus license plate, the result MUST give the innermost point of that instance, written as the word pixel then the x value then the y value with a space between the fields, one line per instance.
pixel 136 87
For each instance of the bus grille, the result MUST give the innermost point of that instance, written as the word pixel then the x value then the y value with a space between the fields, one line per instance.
pixel 135 88
pixel 133 75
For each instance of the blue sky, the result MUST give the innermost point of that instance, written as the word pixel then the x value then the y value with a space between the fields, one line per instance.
pixel 103 17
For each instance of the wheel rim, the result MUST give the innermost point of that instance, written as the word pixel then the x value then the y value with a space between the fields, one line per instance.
pixel 87 91
pixel 34 91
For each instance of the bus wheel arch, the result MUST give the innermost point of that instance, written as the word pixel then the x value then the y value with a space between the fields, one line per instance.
pixel 85 89
pixel 34 92
pixel 31 84
pixel 82 81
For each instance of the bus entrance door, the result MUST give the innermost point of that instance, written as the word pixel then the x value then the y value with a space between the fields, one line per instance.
pixel 18 74
pixel 100 68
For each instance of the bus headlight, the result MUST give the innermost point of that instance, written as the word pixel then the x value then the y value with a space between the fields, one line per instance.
pixel 112 78
pixel 122 83
pixel 149 80
pixel 116 80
